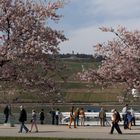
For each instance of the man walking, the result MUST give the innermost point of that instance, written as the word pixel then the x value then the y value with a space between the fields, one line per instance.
pixel 115 120
pixel 42 116
pixel 102 117
pixel 6 113
pixel 124 114
pixel 52 112
pixel 22 119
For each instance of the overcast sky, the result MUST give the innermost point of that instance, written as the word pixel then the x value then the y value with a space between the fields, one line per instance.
pixel 82 19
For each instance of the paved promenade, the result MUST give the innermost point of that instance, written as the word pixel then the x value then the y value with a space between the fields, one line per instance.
pixel 87 132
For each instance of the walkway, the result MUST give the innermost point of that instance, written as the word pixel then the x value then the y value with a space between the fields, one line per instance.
pixel 91 132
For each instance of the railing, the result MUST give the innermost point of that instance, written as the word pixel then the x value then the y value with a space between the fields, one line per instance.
pixel 92 118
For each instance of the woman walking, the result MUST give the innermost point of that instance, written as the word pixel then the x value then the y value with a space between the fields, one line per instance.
pixel 33 121
pixel 82 117
pixel 72 117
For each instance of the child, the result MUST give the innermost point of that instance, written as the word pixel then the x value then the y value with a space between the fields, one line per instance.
pixel 129 118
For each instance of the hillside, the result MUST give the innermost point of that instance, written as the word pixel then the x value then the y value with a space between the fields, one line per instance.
pixel 76 91
pixel 72 90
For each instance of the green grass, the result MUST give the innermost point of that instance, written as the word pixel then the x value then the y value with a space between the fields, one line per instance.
pixel 76 85
pixel 91 97
pixel 78 91
pixel 75 65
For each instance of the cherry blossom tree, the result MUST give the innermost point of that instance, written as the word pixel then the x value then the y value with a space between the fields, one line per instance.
pixel 28 43
pixel 121 64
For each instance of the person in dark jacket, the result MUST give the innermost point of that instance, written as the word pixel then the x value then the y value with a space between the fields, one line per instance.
pixel 57 114
pixel 22 119
pixel 42 116
pixel 6 113
pixel 52 112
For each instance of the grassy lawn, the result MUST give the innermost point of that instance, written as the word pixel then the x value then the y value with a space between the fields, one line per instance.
pixel 92 95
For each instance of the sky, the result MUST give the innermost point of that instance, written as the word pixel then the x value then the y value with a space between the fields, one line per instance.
pixel 82 19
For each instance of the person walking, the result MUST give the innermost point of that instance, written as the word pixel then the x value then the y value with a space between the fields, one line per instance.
pixel 77 113
pixel 60 117
pixel 52 112
pixel 82 116
pixel 129 118
pixel 115 118
pixel 124 115
pixel 6 113
pixel 42 116
pixel 72 117
pixel 22 119
pixel 33 121
pixel 133 116
pixel 57 113
pixel 102 117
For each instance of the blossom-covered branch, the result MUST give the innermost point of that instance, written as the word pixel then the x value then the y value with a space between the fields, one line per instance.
pixel 121 62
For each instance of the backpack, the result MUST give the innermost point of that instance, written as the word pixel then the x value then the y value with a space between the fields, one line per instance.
pixel 118 117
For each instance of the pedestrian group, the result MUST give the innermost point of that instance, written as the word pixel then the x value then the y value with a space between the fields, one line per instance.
pixel 77 117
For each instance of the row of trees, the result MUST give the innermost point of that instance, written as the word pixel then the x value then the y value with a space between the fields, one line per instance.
pixel 95 57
